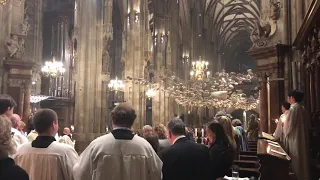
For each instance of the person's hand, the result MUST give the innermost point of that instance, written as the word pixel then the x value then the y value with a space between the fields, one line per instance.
pixel 276 120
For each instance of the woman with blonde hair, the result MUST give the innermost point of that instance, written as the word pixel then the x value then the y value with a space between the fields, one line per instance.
pixel 253 129
pixel 225 121
pixel 161 131
pixel 8 169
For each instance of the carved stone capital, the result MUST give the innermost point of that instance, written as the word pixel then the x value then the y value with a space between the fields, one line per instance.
pixel 22 83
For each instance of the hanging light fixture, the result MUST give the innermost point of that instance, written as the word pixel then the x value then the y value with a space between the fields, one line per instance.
pixel 150 93
pixel 200 70
pixel 116 85
pixel 53 68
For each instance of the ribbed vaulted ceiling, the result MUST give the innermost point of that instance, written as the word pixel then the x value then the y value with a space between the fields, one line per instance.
pixel 233 21
pixel 232 17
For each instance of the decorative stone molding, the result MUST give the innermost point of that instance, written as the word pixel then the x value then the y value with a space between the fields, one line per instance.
pixel 19 83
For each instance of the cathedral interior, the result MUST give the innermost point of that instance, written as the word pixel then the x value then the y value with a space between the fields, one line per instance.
pixel 164 57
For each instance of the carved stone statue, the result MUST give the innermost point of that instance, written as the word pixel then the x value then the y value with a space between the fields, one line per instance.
pixel 12 45
pixel 274 10
pixel 15 46
pixel 105 55
pixel 25 26
pixel 260 33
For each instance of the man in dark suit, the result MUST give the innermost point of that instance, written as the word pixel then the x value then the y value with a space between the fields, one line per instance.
pixel 184 159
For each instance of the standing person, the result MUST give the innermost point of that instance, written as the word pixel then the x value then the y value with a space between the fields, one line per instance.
pixel 66 138
pixel 147 129
pixel 8 169
pixel 44 158
pixel 231 134
pixel 161 131
pixel 253 129
pixel 153 140
pixel 18 138
pixel 221 151
pixel 184 159
pixel 7 104
pixel 278 133
pixel 296 137
pixel 119 155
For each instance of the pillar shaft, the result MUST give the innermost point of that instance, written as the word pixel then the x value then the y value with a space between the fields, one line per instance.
pixel 263 104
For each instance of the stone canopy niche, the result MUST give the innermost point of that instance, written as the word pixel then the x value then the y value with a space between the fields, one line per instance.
pixel 17 83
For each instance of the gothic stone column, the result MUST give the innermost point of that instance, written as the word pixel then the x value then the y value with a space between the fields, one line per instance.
pixel 89 110
pixel 263 103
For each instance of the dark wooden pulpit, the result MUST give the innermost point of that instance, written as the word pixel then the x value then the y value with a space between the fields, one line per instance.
pixel 274 160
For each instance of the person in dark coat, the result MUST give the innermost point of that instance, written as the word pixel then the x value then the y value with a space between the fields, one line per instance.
pixel 221 151
pixel 184 159
pixel 8 169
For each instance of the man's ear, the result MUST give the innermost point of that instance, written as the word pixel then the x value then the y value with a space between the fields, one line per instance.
pixel 170 134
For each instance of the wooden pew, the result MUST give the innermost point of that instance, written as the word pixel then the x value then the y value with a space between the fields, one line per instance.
pixel 250 153
pixel 247 164
pixel 249 158
pixel 274 161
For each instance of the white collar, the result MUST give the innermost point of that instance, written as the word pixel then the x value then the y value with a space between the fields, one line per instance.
pixel 179 137
pixel 121 128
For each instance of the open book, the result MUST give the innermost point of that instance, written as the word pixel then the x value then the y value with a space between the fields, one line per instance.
pixel 267 136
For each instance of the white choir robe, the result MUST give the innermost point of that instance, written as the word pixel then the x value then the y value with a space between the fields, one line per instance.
pixel 32 135
pixel 107 158
pixel 52 163
pixel 278 133
pixel 296 143
pixel 66 140
pixel 18 138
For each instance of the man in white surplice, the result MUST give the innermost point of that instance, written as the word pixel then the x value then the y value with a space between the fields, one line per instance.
pixel 44 158
pixel 119 155
pixel 66 138
pixel 17 137
pixel 296 136
pixel 278 133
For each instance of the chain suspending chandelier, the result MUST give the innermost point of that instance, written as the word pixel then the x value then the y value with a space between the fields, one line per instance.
pixel 199 70
pixel 53 69
pixel 116 85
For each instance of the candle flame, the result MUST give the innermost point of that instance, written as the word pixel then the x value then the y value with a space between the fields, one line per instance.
pixel 268 149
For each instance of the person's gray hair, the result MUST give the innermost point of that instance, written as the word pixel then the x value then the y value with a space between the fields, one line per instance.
pixel 147 128
pixel 177 127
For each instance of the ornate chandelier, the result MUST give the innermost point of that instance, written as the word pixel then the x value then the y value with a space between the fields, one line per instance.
pixel 221 90
pixel 2 2
pixel 53 69
pixel 116 85
pixel 200 70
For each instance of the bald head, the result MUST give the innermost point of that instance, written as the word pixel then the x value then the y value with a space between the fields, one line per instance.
pixel 66 131
pixel 15 121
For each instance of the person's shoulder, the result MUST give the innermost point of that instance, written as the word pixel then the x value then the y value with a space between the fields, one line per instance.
pixel 24 147
pixel 17 173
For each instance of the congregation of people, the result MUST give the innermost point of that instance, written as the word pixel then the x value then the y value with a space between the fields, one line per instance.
pixel 167 152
